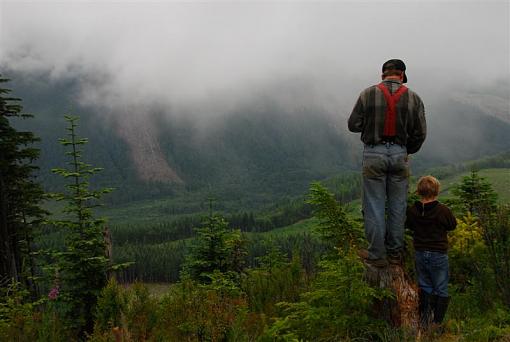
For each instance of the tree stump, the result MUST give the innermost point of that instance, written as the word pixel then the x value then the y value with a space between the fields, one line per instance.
pixel 402 310
pixel 107 236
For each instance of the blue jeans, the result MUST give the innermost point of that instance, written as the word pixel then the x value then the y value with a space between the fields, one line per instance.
pixel 432 270
pixel 385 183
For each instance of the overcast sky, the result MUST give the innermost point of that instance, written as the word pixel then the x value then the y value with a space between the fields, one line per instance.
pixel 194 54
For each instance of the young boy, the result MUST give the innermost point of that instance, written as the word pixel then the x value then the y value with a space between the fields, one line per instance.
pixel 430 221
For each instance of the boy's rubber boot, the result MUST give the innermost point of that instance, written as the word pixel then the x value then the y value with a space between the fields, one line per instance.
pixel 440 307
pixel 433 303
pixel 425 309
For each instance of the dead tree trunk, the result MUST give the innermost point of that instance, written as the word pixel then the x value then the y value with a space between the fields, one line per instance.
pixel 108 251
pixel 402 310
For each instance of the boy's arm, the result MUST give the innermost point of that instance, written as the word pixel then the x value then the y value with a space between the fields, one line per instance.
pixel 450 222
pixel 409 222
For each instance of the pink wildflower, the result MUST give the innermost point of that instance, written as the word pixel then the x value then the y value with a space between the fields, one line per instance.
pixel 53 293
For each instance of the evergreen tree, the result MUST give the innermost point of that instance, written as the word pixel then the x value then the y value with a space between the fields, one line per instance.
pixel 335 227
pixel 497 234
pixel 83 265
pixel 216 248
pixel 475 194
pixel 477 198
pixel 20 195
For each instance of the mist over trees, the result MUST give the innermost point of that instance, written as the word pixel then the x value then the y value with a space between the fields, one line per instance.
pixel 258 149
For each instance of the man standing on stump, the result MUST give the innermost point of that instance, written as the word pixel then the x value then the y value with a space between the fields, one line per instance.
pixel 391 120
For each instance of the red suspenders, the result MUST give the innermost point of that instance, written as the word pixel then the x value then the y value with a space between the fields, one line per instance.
pixel 390 120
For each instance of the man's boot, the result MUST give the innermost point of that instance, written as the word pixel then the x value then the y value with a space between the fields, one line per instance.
pixel 396 258
pixel 379 263
pixel 425 309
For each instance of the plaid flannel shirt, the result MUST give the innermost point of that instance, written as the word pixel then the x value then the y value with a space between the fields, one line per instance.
pixel 369 112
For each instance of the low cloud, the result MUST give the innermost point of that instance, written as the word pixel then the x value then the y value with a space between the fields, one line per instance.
pixel 207 58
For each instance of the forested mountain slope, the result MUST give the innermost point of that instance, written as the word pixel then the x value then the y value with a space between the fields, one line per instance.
pixel 254 154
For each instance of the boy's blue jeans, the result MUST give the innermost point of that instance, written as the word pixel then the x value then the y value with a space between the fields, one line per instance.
pixel 385 183
pixel 432 269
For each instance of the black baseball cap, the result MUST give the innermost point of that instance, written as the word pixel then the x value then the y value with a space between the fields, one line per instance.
pixel 395 64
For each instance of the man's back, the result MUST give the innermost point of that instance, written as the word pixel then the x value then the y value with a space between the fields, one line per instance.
pixel 369 113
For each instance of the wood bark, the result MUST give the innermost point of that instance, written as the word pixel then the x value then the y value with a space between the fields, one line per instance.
pixel 401 310
pixel 107 236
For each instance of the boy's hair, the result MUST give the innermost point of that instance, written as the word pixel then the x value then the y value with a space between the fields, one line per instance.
pixel 428 187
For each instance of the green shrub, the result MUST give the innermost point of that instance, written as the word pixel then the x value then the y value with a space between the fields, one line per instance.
pixel 191 312
pixel 473 325
pixel 141 312
pixel 280 281
pixel 336 308
pixel 17 314
pixel 21 319
pixel 110 306
pixel 51 327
